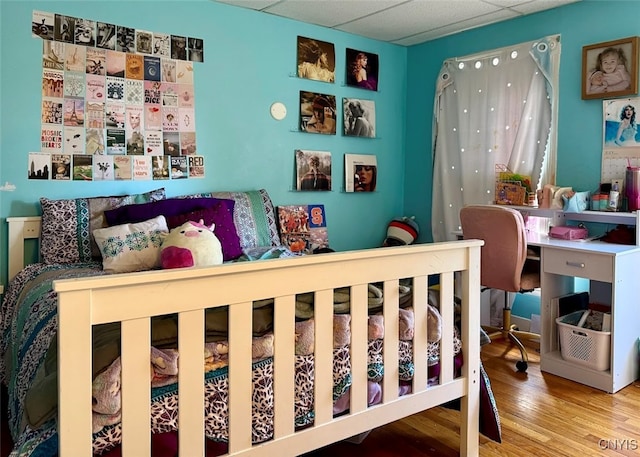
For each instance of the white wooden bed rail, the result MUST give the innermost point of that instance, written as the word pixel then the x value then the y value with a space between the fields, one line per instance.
pixel 20 230
pixel 134 298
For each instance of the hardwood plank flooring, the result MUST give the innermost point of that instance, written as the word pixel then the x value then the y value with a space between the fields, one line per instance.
pixel 541 415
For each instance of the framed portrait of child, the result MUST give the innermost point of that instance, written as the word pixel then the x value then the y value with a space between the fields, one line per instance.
pixel 610 69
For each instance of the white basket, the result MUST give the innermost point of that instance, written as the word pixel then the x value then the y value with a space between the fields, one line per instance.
pixel 584 347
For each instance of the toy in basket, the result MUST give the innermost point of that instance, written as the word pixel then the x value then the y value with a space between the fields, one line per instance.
pixel 512 188
pixel 508 193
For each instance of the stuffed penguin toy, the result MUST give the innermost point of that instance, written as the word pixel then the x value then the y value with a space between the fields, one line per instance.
pixel 192 244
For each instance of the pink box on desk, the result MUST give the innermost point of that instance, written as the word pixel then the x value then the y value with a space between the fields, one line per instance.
pixel 568 232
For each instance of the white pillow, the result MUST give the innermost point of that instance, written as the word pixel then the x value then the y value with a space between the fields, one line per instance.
pixel 131 247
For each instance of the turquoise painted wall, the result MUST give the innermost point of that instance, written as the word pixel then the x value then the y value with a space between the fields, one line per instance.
pixel 579 121
pixel 250 58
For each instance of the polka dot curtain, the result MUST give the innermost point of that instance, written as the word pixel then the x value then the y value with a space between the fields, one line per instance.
pixel 494 108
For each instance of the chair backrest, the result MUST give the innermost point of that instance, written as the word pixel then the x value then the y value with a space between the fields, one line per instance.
pixel 505 244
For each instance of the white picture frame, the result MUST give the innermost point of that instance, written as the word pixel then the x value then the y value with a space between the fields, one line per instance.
pixel 361 172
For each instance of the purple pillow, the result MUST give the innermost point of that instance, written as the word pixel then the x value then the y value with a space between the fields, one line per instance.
pixel 222 215
pixel 130 214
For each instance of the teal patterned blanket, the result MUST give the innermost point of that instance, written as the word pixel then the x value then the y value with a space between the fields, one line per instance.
pixel 27 329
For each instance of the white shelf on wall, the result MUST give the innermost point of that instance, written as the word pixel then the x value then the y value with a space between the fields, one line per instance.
pixel 608 217
pixel 558 217
pixel 554 215
pixel 535 211
pixel 604 217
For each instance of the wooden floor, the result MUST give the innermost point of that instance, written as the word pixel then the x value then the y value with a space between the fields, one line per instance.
pixel 542 415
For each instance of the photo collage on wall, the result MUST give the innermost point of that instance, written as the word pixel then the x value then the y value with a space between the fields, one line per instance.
pixel 318 111
pixel 117 103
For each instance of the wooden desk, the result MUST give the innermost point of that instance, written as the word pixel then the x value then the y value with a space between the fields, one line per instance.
pixel 612 271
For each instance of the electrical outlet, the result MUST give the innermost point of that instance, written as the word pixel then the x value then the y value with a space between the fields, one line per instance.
pixel 1 289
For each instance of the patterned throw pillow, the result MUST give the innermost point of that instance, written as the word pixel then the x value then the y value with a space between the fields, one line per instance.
pixel 68 225
pixel 131 247
pixel 253 215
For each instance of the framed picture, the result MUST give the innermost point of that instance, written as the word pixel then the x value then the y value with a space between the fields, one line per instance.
pixel 317 113
pixel 362 69
pixel 316 60
pixel 360 173
pixel 610 69
pixel 359 117
pixel 313 170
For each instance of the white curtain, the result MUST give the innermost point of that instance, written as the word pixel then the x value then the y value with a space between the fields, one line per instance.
pixel 494 108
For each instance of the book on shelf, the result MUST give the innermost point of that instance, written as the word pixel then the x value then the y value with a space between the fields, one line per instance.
pixel 574 301
pixel 303 228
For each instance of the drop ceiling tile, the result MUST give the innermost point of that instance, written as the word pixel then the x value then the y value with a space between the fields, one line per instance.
pixel 417 16
pixel 403 22
pixel 252 4
pixel 460 26
pixel 330 13
pixel 510 3
pixel 540 5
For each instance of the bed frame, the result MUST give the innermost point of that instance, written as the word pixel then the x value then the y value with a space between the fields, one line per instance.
pixel 134 298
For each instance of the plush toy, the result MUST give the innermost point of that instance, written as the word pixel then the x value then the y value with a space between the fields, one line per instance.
pixel 192 244
pixel 401 231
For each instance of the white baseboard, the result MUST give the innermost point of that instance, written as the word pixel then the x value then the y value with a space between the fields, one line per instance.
pixel 527 325
pixel 522 323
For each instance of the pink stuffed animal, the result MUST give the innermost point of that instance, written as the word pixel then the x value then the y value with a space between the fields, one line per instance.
pixel 192 244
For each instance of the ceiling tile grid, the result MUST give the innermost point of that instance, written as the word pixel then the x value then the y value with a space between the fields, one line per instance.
pixel 403 22
pixel 410 18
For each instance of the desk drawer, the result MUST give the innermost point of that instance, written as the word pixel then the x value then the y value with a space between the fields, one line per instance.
pixel 580 264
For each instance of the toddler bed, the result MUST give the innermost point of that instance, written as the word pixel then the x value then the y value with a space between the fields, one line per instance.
pixel 329 359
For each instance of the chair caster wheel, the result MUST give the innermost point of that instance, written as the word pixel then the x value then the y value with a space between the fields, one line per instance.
pixel 521 366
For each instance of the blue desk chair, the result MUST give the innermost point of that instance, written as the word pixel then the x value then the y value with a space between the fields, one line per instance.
pixel 504 264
